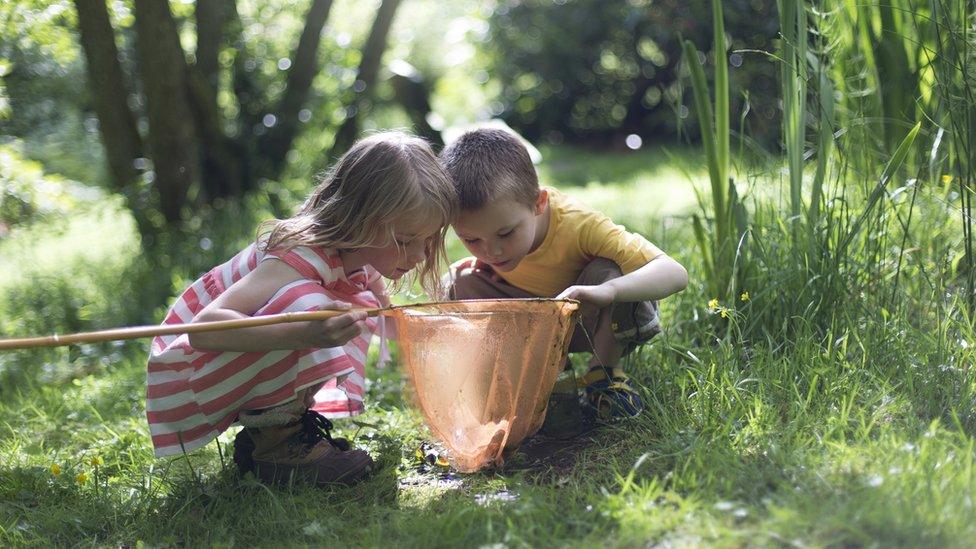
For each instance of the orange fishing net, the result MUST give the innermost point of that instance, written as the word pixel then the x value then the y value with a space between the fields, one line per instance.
pixel 482 370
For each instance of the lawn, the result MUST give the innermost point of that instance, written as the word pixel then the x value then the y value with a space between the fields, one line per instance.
pixel 853 431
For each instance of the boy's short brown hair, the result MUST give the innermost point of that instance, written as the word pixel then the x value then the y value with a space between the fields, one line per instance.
pixel 488 164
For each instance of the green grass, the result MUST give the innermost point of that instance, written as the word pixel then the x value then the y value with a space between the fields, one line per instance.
pixel 858 435
pixel 85 237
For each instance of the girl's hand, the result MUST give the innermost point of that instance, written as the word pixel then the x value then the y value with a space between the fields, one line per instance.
pixel 332 332
pixel 592 297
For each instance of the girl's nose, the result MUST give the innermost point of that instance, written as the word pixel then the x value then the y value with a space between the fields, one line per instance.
pixel 417 252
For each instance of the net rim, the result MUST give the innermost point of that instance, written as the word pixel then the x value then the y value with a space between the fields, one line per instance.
pixel 575 304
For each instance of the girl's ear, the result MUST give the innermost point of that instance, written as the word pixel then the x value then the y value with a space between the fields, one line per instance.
pixel 541 202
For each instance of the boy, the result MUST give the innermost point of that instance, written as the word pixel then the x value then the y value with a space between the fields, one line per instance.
pixel 529 241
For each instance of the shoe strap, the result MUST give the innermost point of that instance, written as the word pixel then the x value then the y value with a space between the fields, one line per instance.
pixel 599 374
pixel 618 385
pixel 316 427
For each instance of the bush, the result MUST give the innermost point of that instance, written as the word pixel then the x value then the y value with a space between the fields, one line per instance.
pixel 594 71
pixel 27 194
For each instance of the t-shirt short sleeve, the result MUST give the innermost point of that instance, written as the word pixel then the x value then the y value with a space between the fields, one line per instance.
pixel 310 263
pixel 601 237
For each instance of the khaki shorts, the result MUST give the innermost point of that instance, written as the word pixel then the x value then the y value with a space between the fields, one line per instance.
pixel 633 323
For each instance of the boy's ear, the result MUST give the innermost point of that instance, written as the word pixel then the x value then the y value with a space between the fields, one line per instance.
pixel 541 202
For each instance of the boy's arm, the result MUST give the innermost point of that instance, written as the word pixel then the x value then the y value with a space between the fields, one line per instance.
pixel 652 273
pixel 659 278
pixel 248 295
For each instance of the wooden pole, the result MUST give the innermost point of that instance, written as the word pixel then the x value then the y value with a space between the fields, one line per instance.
pixel 170 329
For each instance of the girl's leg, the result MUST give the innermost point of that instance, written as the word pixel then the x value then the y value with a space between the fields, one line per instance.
pixel 291 442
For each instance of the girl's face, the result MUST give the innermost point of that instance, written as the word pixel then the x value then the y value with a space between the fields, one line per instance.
pixel 398 257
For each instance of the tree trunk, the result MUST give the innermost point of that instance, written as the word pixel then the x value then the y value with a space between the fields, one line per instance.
pixel 245 89
pixel 413 92
pixel 276 143
pixel 172 135
pixel 224 171
pixel 369 67
pixel 223 160
pixel 211 16
pixel 116 123
pixel 250 100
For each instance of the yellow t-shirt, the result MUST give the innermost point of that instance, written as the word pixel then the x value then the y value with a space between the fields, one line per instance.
pixel 576 236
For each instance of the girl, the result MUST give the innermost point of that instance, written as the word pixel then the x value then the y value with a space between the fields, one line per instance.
pixel 382 210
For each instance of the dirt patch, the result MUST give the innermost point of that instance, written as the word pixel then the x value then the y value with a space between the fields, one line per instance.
pixel 544 455
pixel 541 457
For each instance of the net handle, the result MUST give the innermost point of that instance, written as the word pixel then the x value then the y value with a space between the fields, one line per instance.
pixel 137 332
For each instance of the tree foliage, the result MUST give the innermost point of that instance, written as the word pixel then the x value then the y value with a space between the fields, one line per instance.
pixel 193 103
pixel 598 70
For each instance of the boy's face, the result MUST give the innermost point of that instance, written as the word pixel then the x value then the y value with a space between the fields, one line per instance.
pixel 503 232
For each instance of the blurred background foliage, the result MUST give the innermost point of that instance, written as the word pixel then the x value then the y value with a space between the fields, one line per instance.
pixel 199 119
pixel 587 72
pixel 593 72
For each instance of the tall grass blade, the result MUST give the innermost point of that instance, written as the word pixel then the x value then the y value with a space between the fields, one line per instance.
pixel 700 92
pixel 714 124
pixel 891 167
pixel 699 230
pixel 825 140
pixel 721 93
pixel 793 77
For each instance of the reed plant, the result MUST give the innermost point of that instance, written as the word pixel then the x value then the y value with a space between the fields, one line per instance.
pixel 952 58
pixel 721 249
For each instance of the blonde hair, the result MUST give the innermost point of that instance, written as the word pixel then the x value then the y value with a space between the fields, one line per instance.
pixel 383 179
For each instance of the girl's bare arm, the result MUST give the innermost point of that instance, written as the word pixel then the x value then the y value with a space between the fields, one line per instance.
pixel 248 295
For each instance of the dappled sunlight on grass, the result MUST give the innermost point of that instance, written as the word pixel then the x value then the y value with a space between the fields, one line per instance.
pixel 94 234
pixel 630 186
pixel 859 435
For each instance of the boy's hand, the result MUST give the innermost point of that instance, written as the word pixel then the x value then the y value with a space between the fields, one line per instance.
pixel 475 264
pixel 594 296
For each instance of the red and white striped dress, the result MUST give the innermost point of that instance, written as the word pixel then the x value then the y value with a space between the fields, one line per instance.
pixel 193 395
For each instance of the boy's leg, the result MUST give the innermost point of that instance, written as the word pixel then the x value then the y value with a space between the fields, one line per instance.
pixel 630 324
pixel 610 333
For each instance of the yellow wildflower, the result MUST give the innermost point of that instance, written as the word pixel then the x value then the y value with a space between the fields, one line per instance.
pixel 725 312
pixel 55 469
pixel 96 461
pixel 713 304
pixel 744 296
pixel 81 478
pixel 946 179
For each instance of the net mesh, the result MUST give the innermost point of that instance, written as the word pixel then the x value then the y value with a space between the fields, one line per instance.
pixel 482 370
